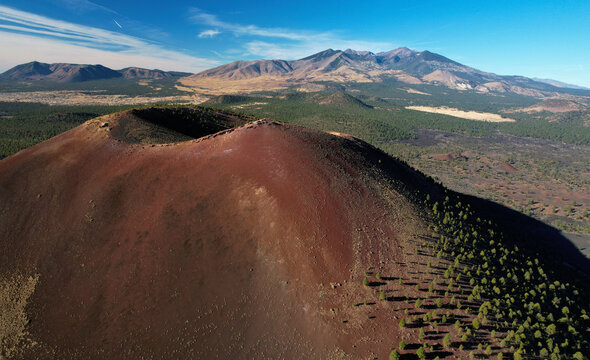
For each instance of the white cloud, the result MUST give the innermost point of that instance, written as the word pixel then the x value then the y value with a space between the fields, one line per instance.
pixel 26 37
pixel 290 43
pixel 204 18
pixel 209 33
pixel 19 48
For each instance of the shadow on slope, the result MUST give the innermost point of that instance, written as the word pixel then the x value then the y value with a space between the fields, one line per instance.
pixel 535 236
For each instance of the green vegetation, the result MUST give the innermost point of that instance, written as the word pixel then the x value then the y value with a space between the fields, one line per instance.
pixel 514 288
pixel 382 121
pixel 447 340
pixel 24 124
pixel 117 86
pixel 421 353
pixel 394 355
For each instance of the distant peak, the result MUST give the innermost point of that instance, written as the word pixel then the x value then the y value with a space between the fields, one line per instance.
pixel 321 54
pixel 355 52
pixel 402 51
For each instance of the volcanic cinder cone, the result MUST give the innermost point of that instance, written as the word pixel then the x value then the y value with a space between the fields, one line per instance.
pixel 246 243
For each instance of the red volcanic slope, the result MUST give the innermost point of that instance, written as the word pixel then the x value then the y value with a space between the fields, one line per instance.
pixel 249 243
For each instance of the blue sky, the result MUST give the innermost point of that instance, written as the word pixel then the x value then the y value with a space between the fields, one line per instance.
pixel 548 39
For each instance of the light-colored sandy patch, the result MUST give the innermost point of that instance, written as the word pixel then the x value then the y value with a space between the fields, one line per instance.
pixel 143 83
pixel 408 79
pixel 183 88
pixel 248 105
pixel 14 294
pixel 217 86
pixel 414 91
pixel 469 115
pixel 69 97
pixel 448 79
pixel 495 86
pixel 342 135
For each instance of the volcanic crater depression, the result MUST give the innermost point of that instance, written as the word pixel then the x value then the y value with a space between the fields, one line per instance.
pixel 162 125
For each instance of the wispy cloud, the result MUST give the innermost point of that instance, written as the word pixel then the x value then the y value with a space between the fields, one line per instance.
pixel 26 36
pixel 204 18
pixel 282 43
pixel 82 6
pixel 209 33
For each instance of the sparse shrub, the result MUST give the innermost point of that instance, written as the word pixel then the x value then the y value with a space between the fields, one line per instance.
pixel 394 355
pixel 438 303
pixel 421 353
pixel 402 345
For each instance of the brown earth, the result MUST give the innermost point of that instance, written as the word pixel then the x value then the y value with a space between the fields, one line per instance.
pixel 248 243
pixel 507 167
pixel 448 157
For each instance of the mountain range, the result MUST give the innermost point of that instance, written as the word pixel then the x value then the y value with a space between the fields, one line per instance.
pixel 403 64
pixel 69 73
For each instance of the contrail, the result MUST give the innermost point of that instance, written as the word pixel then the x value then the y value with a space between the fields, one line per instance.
pixel 119 25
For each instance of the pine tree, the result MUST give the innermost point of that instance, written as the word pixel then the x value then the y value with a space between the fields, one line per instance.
pixel 447 341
